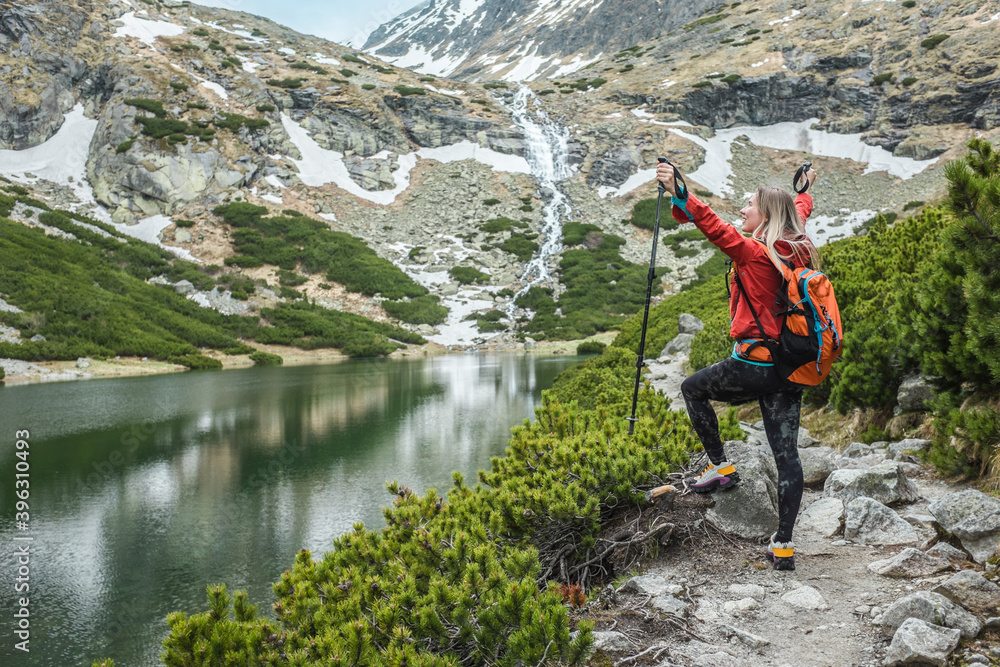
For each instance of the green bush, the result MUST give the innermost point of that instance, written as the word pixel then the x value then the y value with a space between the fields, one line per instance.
pixel 931 42
pixel 234 121
pixel 266 108
pixel 351 58
pixel 185 224
pixel 501 224
pixel 519 246
pixel 197 105
pixel 287 83
pixel 368 86
pixel 909 81
pixel 178 86
pixel 885 77
pixel 466 275
pixel 706 20
pixel 409 90
pixel 701 84
pixel 309 66
pixel 731 79
pixel 491 202
pixel 200 32
pixel 243 47
pixel 256 32
pixel 154 107
pixel 494 85
pixel 347 73
pixel 197 362
pixel 590 347
pixel 644 215
pixel 909 4
pixel 266 359
pixel 421 310
pixel 123 147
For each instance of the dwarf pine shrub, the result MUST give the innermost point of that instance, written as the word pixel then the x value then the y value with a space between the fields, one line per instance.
pixel 466 275
pixel 265 359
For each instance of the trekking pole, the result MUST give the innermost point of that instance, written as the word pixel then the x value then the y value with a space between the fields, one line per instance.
pixel 681 189
pixel 802 173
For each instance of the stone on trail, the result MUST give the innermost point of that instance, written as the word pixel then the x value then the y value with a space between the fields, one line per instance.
pixel 973 591
pixel 974 518
pixel 671 605
pixel 750 639
pixel 824 517
pixel 805 597
pixel 945 550
pixel 918 642
pixel 868 521
pixel 738 606
pixel 612 641
pixel 681 344
pixel 740 591
pixel 932 608
pixel 817 464
pixel 910 562
pixel 714 660
pixel 750 509
pixel 652 584
pixel 886 483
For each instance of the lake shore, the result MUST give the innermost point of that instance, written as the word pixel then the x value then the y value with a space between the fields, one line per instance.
pixel 24 372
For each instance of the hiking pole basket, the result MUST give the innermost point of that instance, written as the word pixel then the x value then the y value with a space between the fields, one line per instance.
pixel 801 174
pixel 681 188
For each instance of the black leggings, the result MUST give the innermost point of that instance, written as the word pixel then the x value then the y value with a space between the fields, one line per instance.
pixel 734 381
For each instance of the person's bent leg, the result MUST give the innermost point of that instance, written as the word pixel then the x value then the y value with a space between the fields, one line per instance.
pixel 731 381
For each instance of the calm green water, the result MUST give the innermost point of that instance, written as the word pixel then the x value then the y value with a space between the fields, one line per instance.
pixel 143 491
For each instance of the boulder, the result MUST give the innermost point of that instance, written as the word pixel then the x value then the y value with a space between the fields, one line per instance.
pixel 974 518
pixel 973 591
pixel 83 362
pixel 679 345
pixel 671 605
pixel 898 450
pixel 886 483
pixel 918 642
pixel 932 608
pixel 824 517
pixel 805 597
pixel 868 521
pixel 184 287
pixel 817 464
pixel 689 324
pixel 751 508
pixel 910 563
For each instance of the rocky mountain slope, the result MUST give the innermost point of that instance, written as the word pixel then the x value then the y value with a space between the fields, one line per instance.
pixel 168 110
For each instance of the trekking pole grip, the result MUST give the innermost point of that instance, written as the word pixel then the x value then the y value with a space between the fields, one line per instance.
pixel 680 185
pixel 803 172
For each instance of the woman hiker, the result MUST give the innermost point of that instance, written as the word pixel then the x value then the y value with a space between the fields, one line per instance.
pixel 776 225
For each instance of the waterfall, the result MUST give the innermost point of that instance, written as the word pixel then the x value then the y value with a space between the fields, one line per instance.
pixel 547 147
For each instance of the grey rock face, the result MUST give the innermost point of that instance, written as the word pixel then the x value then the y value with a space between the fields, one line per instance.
pixel 973 591
pixel 932 608
pixel 751 508
pixel 974 518
pixel 615 167
pixel 945 550
pixel 817 464
pixel 868 521
pixel 899 449
pixel 911 563
pixel 681 344
pixel 914 390
pixel 824 517
pixel 689 324
pixel 918 642
pixel 886 483
pixel 184 287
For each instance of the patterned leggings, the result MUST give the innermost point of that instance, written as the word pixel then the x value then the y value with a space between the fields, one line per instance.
pixel 734 381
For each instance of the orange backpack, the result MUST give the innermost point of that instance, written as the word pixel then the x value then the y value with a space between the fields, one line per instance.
pixel 812 336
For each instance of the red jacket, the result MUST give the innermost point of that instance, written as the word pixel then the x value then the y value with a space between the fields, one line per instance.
pixel 760 278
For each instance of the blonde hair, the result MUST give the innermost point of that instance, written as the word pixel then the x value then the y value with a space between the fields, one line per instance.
pixel 781 223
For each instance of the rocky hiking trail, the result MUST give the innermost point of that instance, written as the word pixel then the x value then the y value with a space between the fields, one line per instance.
pixel 894 566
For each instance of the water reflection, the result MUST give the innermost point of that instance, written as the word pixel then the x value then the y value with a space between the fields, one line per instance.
pixel 145 490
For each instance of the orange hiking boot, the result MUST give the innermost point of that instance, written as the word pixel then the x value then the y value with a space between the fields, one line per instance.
pixel 723 476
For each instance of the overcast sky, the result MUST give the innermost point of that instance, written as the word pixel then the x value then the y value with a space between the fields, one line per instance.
pixel 342 21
